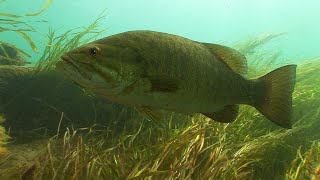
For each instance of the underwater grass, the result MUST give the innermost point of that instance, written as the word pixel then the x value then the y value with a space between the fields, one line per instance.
pixel 194 147
pixel 11 23
pixel 20 27
pixel 58 45
pixel 306 165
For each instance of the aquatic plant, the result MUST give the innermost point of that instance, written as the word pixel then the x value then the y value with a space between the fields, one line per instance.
pixel 250 46
pixel 12 56
pixel 193 147
pixel 262 60
pixel 58 45
pixel 12 23
pixel 306 165
pixel 19 84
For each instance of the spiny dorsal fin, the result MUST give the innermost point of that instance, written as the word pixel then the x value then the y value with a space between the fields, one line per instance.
pixel 227 115
pixel 234 59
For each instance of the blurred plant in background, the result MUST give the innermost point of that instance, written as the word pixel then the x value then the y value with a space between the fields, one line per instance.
pixel 12 55
pixel 9 53
pixel 194 147
pixel 125 145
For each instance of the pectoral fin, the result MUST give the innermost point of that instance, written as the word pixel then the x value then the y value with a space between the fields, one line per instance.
pixel 228 114
pixel 152 114
pixel 163 83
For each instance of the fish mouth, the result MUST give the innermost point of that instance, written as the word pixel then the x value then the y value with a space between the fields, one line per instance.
pixel 69 61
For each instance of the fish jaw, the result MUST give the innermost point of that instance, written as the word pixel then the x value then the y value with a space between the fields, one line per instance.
pixel 71 72
pixel 99 79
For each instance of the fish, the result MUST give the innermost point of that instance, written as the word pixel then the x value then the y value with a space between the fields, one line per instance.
pixel 154 71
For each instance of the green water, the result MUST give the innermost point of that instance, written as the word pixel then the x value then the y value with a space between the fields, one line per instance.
pixel 216 21
pixel 59 130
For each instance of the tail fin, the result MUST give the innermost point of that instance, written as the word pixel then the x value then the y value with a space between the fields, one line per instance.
pixel 277 102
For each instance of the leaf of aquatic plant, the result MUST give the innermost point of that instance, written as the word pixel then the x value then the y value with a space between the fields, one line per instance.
pixel 24 35
pixel 14 22
pixel 9 15
pixel 14 47
pixel 7 29
pixel 27 38
pixel 43 8
pixel 10 21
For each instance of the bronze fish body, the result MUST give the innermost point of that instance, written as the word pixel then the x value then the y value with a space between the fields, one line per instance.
pixel 152 70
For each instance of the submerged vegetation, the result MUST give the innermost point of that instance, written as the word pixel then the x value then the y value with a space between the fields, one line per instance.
pixel 13 23
pixel 307 165
pixel 192 147
pixel 12 55
pixel 58 44
pixel 196 148
pixel 124 145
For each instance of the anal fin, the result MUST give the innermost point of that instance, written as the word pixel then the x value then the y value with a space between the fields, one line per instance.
pixel 227 115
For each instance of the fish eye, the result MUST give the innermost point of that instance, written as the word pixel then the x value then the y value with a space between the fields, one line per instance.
pixel 93 51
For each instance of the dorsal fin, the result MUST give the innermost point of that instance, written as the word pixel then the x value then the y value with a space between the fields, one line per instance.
pixel 234 59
